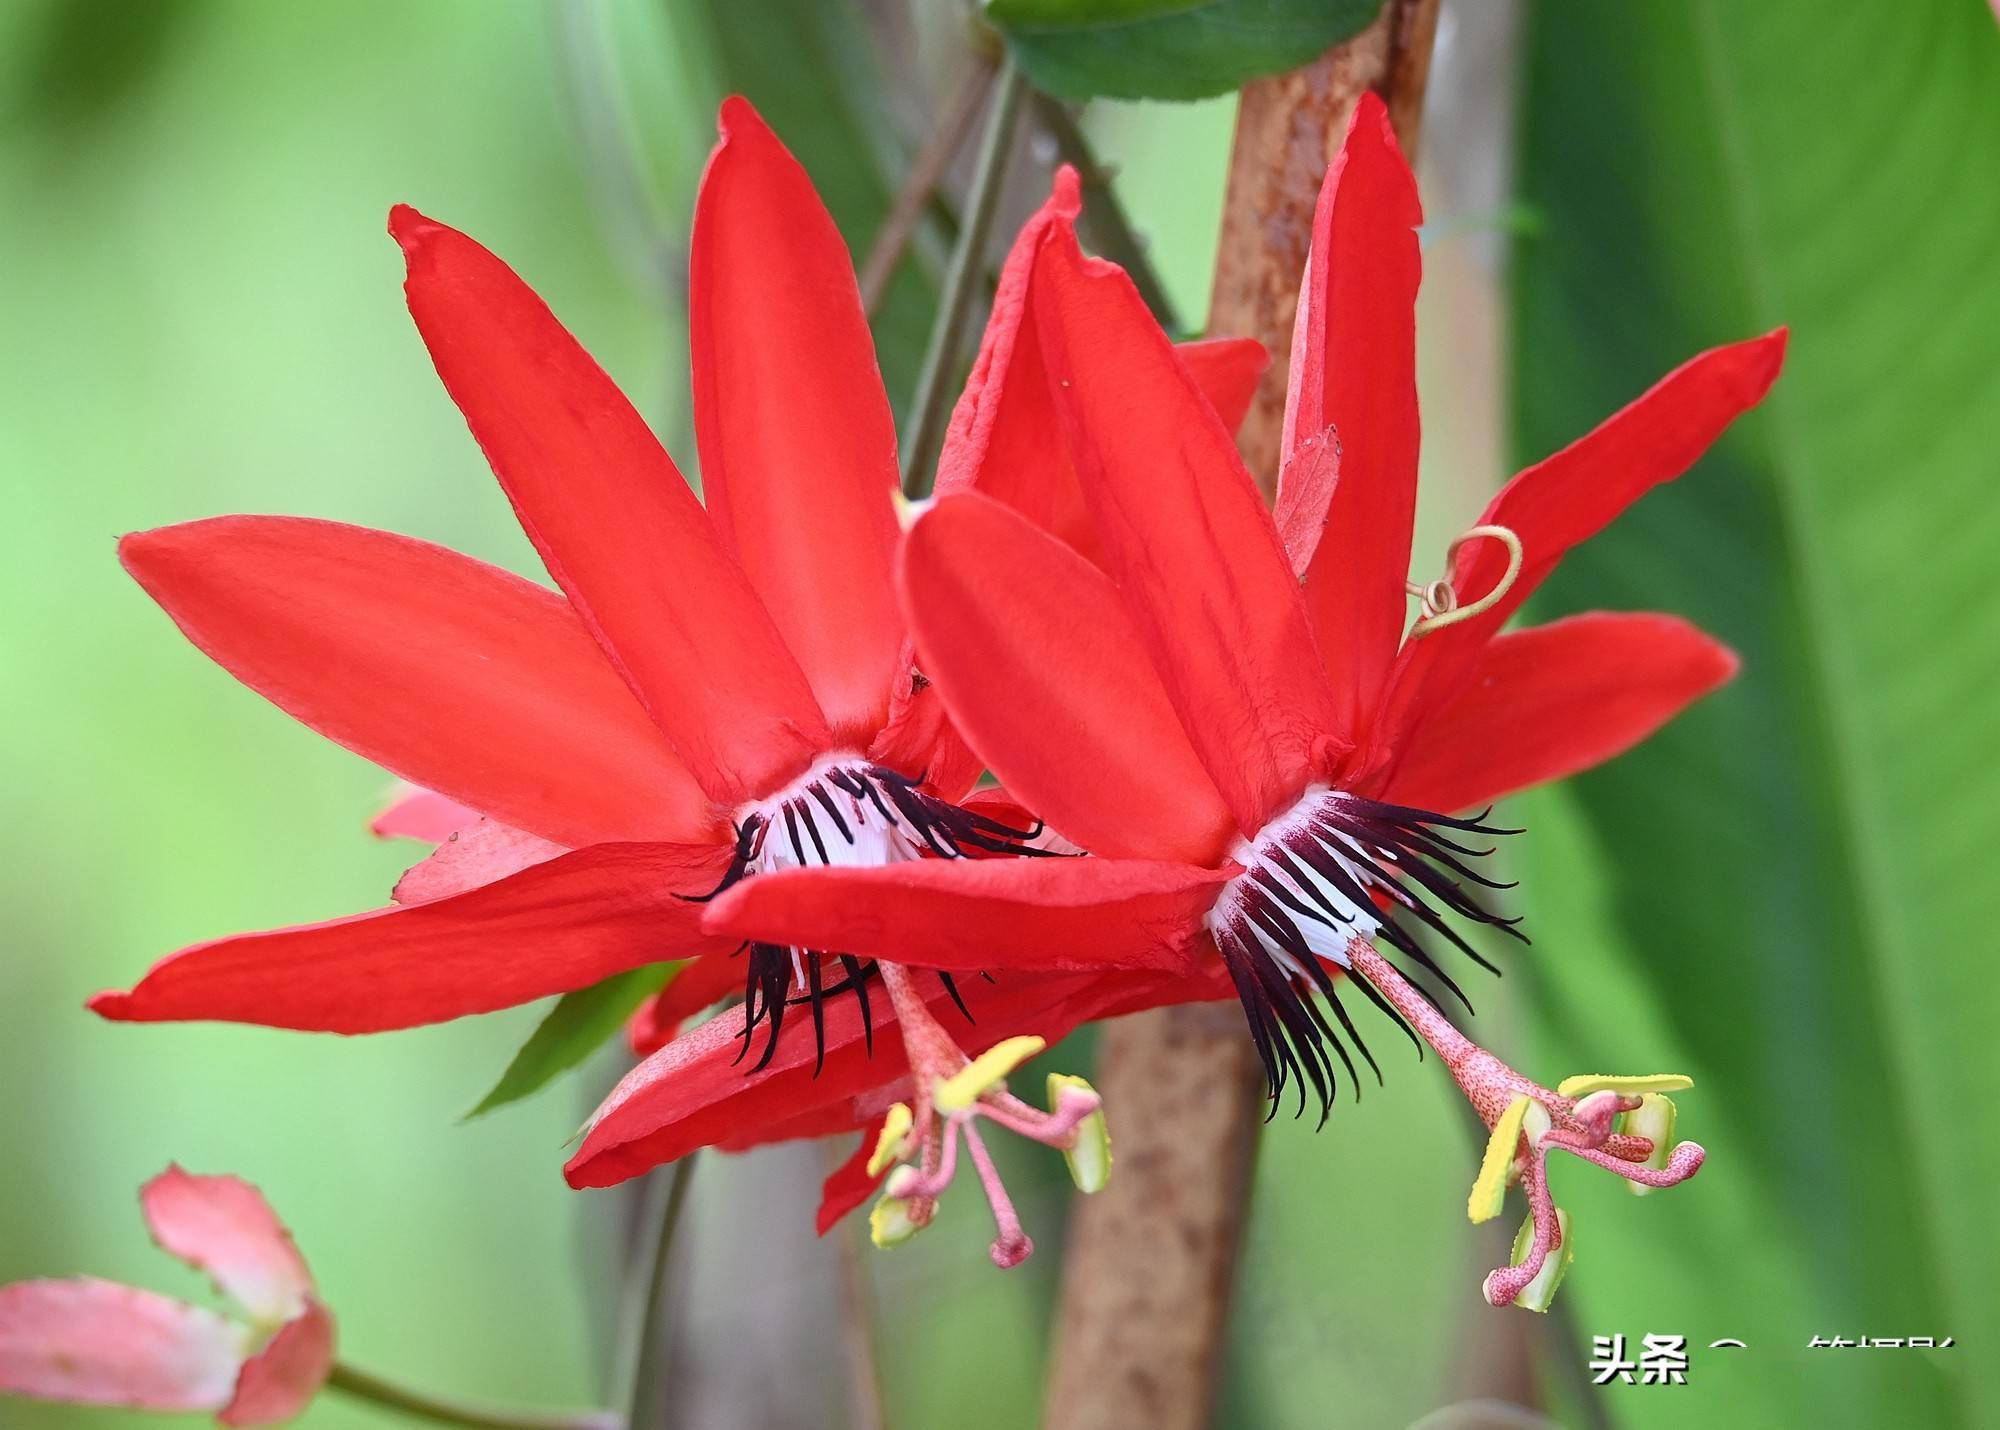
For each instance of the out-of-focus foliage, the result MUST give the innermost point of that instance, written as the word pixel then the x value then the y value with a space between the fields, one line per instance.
pixel 1168 49
pixel 1791 892
pixel 823 90
pixel 578 1025
pixel 203 314
pixel 1785 894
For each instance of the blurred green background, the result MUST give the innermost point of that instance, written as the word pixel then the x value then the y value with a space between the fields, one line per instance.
pixel 1789 894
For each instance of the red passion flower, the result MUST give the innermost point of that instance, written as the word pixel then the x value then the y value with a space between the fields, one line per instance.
pixel 718 691
pixel 1243 699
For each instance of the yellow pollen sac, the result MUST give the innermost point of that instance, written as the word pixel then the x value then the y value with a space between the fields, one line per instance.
pixel 894 1143
pixel 1090 1159
pixel 889 1223
pixel 984 1073
pixel 1653 1119
pixel 1585 1083
pixel 1489 1188
pixel 1540 1293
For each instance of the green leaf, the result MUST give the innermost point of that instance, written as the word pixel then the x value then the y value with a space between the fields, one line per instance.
pixel 1168 49
pixel 1790 891
pixel 579 1024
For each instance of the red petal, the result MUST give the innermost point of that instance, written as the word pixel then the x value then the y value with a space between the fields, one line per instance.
pixel 1040 666
pixel 478 854
pixel 454 674
pixel 850 1184
pixel 1570 497
pixel 798 448
pixel 831 1119
pixel 224 1227
pixel 1354 371
pixel 701 983
pixel 1188 540
pixel 613 520
pixel 1306 484
pixel 91 1342
pixel 919 738
pixel 1004 441
pixel 1551 700
pixel 417 813
pixel 1043 914
pixel 1227 370
pixel 694 1092
pixel 277 1383
pixel 551 929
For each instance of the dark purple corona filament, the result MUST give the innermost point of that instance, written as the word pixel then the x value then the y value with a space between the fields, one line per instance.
pixel 1334 868
pixel 844 812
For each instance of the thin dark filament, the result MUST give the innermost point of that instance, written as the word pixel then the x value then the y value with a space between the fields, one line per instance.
pixel 1283 931
pixel 812 831
pixel 833 813
pixel 946 830
pixel 1359 853
pixel 818 997
pixel 951 987
pixel 857 979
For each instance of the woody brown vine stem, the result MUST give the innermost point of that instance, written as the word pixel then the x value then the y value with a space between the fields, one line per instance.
pixel 1143 1320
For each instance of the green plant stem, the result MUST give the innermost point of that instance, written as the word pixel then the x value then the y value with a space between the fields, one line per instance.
pixel 443 1410
pixel 1111 232
pixel 924 434
pixel 645 1352
pixel 919 186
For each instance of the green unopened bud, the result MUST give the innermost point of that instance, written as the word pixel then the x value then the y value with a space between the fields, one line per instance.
pixel 1540 1293
pixel 1090 1158
pixel 1652 1119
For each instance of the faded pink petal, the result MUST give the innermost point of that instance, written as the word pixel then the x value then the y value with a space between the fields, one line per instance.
pixel 92 1342
pixel 414 812
pixel 279 1380
pixel 223 1226
pixel 467 858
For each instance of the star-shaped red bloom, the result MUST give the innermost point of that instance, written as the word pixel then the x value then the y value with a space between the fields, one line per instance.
pixel 1242 699
pixel 718 690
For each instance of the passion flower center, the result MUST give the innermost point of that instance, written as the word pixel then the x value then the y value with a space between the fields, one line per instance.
pixel 1334 868
pixel 843 811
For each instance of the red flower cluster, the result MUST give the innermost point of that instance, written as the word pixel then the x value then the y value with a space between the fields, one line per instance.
pixel 747 733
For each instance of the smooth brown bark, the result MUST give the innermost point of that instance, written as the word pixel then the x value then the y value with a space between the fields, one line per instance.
pixel 1288 128
pixel 1143 1325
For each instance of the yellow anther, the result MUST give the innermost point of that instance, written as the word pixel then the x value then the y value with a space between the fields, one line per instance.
pixel 1585 1083
pixel 1540 1293
pixel 890 1223
pixel 1653 1119
pixel 1489 1188
pixel 894 1143
pixel 984 1073
pixel 1090 1158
